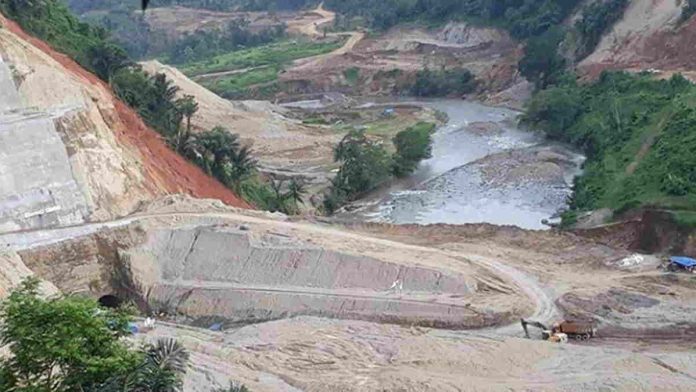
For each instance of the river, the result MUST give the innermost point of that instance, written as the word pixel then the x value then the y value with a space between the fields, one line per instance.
pixel 483 169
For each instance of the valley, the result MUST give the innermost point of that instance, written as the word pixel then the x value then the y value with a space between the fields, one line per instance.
pixel 217 196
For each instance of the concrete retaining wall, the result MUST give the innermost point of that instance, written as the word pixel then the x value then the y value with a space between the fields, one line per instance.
pixel 37 187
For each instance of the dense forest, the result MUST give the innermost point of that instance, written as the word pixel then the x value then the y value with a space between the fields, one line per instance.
pixel 638 135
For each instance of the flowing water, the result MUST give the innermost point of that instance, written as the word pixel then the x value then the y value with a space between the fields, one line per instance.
pixel 495 173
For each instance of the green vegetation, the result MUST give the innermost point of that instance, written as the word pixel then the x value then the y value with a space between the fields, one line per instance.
pixel 237 85
pixel 352 75
pixel 71 344
pixel 638 135
pixel 364 166
pixel 259 67
pixel 274 54
pixel 443 83
pixel 596 18
pixel 236 35
pixel 367 164
pixel 523 18
pixel 412 146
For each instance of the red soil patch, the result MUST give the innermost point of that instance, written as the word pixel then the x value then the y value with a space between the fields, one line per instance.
pixel 167 171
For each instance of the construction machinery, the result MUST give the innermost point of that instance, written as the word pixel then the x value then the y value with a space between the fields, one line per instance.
pixel 561 331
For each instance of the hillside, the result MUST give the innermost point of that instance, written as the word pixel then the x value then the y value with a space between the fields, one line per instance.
pixel 108 160
pixel 651 35
pixel 98 207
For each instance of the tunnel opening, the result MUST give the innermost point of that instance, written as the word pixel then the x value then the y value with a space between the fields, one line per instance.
pixel 110 301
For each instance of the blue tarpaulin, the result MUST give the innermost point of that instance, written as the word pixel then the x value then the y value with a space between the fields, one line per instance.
pixel 686 262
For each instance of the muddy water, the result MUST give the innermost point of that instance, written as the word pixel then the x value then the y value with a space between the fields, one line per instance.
pixel 483 169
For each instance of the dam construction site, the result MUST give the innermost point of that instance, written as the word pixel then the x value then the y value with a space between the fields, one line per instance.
pixel 419 285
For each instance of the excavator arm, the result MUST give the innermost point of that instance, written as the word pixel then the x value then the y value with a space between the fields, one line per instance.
pixel 537 324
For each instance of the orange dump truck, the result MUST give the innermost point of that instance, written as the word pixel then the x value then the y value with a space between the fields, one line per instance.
pixel 575 329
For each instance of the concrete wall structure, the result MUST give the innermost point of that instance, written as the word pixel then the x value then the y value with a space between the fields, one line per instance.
pixel 37 186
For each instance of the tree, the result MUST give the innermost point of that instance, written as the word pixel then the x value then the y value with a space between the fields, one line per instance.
pixel 61 344
pixel 107 59
pixel 412 146
pixel 296 192
pixel 364 166
pixel 240 167
pixel 66 344
pixel 187 107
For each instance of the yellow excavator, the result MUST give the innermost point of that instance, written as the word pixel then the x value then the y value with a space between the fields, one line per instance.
pixel 560 332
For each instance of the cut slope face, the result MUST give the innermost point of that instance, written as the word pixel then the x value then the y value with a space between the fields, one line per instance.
pixel 83 154
pixel 648 36
pixel 225 273
pixel 38 187
pixel 232 268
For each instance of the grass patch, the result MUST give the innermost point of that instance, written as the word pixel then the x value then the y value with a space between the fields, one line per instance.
pixel 235 85
pixel 352 75
pixel 685 218
pixel 275 54
pixel 315 121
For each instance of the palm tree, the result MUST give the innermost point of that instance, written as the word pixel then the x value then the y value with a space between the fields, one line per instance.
pixel 187 107
pixel 166 362
pixel 296 191
pixel 162 370
pixel 243 166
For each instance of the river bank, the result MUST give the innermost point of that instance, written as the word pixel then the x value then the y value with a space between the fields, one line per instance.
pixel 484 169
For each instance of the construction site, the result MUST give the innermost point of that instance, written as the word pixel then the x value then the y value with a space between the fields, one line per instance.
pixel 94 203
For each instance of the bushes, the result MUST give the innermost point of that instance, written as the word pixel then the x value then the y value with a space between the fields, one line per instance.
pixel 412 146
pixel 596 19
pixel 638 135
pixel 71 344
pixel 443 83
pixel 366 164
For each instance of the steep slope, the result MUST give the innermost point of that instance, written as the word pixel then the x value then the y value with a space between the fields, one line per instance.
pixel 648 36
pixel 281 144
pixel 85 142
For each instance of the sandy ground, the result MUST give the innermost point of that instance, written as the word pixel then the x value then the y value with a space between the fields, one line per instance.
pixel 280 143
pixel 515 273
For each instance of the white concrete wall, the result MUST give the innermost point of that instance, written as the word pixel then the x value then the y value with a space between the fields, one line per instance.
pixel 9 98
pixel 37 187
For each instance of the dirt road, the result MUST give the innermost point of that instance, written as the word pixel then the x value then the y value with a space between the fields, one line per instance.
pixel 311 29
